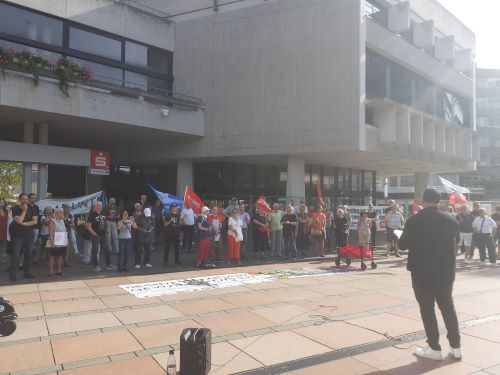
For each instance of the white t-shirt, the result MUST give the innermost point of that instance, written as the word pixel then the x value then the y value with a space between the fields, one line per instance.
pixel 187 216
pixel 486 227
pixel 235 224
pixel 126 230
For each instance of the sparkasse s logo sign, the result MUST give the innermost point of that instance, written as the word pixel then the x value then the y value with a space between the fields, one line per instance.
pixel 99 162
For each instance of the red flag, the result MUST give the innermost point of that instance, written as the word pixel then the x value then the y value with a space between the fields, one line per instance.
pixel 320 193
pixel 457 198
pixel 262 205
pixel 193 200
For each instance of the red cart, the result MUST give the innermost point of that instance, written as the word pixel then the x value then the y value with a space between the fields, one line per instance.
pixel 349 252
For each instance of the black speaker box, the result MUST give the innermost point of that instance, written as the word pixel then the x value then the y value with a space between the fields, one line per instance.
pixel 196 351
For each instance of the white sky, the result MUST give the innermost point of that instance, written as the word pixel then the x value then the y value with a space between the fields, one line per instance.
pixel 482 16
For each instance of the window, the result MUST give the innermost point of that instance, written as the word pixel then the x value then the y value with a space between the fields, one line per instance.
pixel 424 95
pixel 407 181
pixel 101 72
pixel 376 12
pixel 482 122
pixel 482 102
pixel 484 142
pixel 95 44
pixel 150 58
pixel 375 76
pixel 22 23
pixel 21 47
pixel 401 86
pixel 494 103
pixel 143 82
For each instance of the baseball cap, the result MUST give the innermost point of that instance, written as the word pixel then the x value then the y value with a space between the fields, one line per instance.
pixel 205 209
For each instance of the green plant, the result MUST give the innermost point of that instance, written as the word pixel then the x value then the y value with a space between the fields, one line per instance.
pixel 10 178
pixel 6 58
pixel 33 63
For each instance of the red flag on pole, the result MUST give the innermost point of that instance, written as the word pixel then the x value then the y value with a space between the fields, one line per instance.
pixel 262 205
pixel 193 200
pixel 457 198
pixel 320 193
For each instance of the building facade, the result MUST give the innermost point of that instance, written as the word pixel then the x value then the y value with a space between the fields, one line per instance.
pixel 291 92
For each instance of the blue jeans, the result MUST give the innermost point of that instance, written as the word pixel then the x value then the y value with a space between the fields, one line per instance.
pixel 21 243
pixel 290 246
pixel 125 248
pixel 96 241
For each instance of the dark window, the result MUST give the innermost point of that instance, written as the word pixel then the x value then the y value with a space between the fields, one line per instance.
pixel 375 76
pixel 401 85
pixel 150 58
pixel 424 95
pixel 103 73
pixel 376 12
pixel 22 23
pixel 21 47
pixel 95 44
pixel 143 82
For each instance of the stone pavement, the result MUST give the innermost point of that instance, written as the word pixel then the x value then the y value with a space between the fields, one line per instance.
pixel 343 323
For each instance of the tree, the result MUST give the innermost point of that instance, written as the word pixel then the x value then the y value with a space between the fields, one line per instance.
pixel 10 178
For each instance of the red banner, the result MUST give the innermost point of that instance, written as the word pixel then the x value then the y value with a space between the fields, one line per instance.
pixel 457 198
pixel 99 162
pixel 262 205
pixel 320 193
pixel 193 200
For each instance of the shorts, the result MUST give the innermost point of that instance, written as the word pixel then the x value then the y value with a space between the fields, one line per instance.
pixel 466 239
pixel 57 251
pixel 390 235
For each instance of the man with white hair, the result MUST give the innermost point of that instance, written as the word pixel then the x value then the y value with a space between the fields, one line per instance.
pixel 145 227
pixel 96 228
pixel 485 229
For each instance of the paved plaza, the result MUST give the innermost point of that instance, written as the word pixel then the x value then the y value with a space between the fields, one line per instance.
pixel 331 323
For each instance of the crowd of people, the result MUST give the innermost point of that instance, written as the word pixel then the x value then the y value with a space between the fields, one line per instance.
pixel 30 235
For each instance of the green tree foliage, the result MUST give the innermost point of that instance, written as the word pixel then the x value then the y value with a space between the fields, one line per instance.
pixel 10 178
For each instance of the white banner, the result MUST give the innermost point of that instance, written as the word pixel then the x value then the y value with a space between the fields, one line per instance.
pixel 79 206
pixel 354 211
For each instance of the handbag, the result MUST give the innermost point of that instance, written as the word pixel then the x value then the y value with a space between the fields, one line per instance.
pixel 61 239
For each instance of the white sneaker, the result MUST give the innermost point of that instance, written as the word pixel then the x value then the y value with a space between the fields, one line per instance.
pixel 97 269
pixel 482 263
pixel 137 266
pixel 147 265
pixel 111 267
pixel 429 353
pixel 456 353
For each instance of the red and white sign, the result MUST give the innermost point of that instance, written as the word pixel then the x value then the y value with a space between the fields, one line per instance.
pixel 192 200
pixel 99 162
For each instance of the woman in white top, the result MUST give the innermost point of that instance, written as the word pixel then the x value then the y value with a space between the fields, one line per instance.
pixel 234 237
pixel 57 242
pixel 125 226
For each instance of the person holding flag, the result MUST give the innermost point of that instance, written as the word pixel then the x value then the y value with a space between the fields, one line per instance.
pixel 193 206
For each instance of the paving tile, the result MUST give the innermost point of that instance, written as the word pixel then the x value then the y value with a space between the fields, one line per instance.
pixel 147 314
pixel 340 367
pixel 414 313
pixel 332 306
pixel 82 323
pixel 162 334
pixel 339 335
pixel 25 356
pixel 229 290
pixel 332 289
pixel 126 300
pixel 375 301
pixel 494 370
pixel 251 299
pixel 72 306
pixel 17 298
pixel 234 323
pixel 61 285
pixel 107 290
pixel 294 294
pixel 26 330
pixel 81 348
pixel 184 296
pixel 478 352
pixel 101 281
pixel 196 307
pixel 18 288
pixel 398 324
pixel 279 347
pixel 54 295
pixel 29 310
pixel 133 366
pixel 289 313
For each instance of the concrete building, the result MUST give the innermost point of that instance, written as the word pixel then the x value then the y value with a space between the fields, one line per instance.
pixel 487 175
pixel 293 91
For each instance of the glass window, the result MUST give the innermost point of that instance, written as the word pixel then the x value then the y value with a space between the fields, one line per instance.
pixel 483 121
pixel 146 83
pixel 407 181
pixel 96 44
pixel 151 58
pixel 29 25
pixel 400 85
pixel 424 95
pixel 21 47
pixel 101 72
pixel 375 76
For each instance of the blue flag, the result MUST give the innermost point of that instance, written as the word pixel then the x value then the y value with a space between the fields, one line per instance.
pixel 167 199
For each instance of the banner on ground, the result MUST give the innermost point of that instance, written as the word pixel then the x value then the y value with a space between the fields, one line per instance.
pixel 167 199
pixel 79 206
pixel 193 200
pixel 354 211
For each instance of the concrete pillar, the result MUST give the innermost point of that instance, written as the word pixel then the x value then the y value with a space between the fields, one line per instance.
pixel 295 179
pixel 27 167
pixel 43 169
pixel 421 183
pixel 184 176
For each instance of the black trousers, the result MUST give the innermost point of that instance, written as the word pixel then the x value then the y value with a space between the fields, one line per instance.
pixel 427 293
pixel 171 240
pixel 485 241
pixel 187 237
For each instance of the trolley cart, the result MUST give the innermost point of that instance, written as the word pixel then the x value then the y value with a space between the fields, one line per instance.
pixel 360 252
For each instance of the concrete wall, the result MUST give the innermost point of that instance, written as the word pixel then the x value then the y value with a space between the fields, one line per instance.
pixel 282 77
pixel 112 16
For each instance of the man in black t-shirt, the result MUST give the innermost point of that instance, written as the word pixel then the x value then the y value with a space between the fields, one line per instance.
pixel 496 217
pixel 96 228
pixel 172 234
pixel 25 220
pixel 290 223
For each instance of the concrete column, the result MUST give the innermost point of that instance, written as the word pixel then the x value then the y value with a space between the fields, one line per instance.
pixel 184 176
pixel 27 167
pixel 43 169
pixel 295 179
pixel 421 183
